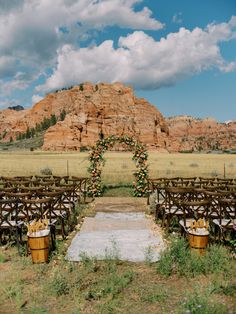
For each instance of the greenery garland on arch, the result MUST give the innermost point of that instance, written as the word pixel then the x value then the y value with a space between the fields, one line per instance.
pixel 140 156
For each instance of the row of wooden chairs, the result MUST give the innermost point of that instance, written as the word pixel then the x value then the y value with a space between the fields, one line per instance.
pixel 191 181
pixel 80 183
pixel 20 204
pixel 185 203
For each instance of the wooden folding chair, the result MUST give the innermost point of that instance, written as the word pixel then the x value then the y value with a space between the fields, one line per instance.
pixel 226 222
pixel 9 220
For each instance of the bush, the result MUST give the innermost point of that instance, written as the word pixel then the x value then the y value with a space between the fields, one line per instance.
pixel 199 303
pixel 59 285
pixel 178 258
pixel 194 165
pixel 46 171
pixel 2 258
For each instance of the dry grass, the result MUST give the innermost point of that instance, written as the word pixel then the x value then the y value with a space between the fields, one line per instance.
pixel 107 287
pixel 119 165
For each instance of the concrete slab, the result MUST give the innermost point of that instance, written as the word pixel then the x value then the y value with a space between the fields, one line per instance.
pixel 121 216
pixel 120 204
pixel 92 225
pixel 127 236
pixel 126 245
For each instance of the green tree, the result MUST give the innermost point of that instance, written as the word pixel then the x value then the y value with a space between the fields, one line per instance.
pixel 62 115
pixel 53 119
pixel 28 133
pixel 45 124
pixel 38 127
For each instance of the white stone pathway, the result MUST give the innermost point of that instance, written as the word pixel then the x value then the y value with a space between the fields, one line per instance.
pixel 128 236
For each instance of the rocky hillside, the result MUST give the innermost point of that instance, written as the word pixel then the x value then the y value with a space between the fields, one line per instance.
pixel 75 118
pixel 188 133
pixel 92 112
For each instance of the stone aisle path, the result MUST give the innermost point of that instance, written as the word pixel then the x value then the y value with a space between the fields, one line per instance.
pixel 120 230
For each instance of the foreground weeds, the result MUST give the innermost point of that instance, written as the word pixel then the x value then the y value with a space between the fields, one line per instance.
pixel 179 259
pixel 179 283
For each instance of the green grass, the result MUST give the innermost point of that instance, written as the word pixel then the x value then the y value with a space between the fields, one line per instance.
pixel 179 259
pixel 201 303
pixel 113 286
pixel 26 144
pixel 118 190
pixel 2 258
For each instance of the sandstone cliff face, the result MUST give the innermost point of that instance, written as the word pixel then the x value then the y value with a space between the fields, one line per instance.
pixel 187 133
pixel 93 111
pixel 102 110
pixel 96 111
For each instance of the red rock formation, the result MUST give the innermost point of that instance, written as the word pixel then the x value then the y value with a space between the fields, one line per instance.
pixel 95 111
pixel 103 110
pixel 92 111
pixel 188 133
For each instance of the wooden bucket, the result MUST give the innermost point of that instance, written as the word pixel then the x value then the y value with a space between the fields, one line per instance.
pixel 39 248
pixel 198 243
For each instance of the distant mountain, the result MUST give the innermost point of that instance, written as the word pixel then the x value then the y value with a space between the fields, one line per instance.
pixel 16 108
pixel 191 134
pixel 92 112
pixel 75 118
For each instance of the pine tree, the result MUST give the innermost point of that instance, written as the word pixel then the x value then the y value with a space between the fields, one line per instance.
pixel 53 119
pixel 62 115
pixel 28 133
pixel 32 131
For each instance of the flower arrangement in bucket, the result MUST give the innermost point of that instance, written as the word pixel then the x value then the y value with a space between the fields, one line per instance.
pixel 198 235
pixel 97 161
pixel 38 240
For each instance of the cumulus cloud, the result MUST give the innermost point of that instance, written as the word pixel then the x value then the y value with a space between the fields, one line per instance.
pixel 33 30
pixel 36 98
pixel 5 103
pixel 177 18
pixel 7 6
pixel 144 62
pixel 8 66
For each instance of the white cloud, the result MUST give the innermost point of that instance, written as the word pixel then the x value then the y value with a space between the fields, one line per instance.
pixel 20 81
pixel 36 98
pixel 143 62
pixel 177 18
pixel 34 31
pixel 5 103
pixel 7 66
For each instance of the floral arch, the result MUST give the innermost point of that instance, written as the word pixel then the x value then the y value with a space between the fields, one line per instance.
pixel 97 161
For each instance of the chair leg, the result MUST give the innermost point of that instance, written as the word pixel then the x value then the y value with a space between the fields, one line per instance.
pixel 63 232
pixel 53 236
pixel 17 240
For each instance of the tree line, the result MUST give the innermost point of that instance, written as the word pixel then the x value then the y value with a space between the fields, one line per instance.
pixel 42 126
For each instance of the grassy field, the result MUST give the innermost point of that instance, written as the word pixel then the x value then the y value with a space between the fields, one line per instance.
pixel 181 282
pixel 119 166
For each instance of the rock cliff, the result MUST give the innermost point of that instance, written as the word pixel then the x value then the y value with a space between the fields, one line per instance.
pixel 93 112
pixel 97 111
pixel 188 133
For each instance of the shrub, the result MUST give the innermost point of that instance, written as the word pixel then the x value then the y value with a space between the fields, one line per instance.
pixel 214 173
pixel 200 303
pixel 46 171
pixel 59 285
pixel 177 258
pixel 193 165
pixel 116 283
pixel 2 258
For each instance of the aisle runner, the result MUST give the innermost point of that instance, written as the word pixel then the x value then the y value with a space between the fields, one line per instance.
pixel 128 236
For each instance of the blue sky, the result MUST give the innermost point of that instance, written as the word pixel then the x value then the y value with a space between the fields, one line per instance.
pixel 179 55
